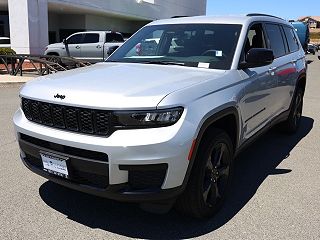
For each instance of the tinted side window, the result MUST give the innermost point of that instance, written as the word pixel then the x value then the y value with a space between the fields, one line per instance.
pixel 75 39
pixel 292 40
pixel 276 40
pixel 114 37
pixel 91 38
pixel 255 38
pixel 4 41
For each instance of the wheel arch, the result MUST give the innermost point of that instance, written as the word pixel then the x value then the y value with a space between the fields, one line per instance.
pixel 227 120
pixel 53 54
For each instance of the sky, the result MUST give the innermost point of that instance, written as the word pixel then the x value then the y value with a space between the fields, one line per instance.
pixel 282 8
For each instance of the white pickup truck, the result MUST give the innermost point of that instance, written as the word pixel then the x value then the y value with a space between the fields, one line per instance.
pixel 93 46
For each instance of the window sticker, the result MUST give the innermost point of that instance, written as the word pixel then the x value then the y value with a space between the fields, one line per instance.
pixel 218 53
pixel 203 65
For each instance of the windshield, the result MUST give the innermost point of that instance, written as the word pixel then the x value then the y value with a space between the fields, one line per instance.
pixel 193 45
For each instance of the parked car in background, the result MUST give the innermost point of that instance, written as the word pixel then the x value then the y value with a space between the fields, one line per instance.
pixel 312 49
pixel 90 46
pixel 303 33
pixel 5 42
pixel 163 124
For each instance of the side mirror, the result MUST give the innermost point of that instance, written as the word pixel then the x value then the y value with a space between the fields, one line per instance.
pixel 64 41
pixel 257 57
pixel 111 50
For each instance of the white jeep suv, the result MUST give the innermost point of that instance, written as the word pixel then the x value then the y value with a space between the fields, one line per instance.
pixel 163 124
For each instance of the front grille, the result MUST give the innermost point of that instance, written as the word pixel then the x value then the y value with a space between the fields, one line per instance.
pixel 88 121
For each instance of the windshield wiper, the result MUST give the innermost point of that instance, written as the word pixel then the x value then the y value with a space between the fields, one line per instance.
pixel 163 63
pixel 153 62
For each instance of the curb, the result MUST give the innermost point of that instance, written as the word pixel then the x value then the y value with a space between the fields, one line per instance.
pixel 11 84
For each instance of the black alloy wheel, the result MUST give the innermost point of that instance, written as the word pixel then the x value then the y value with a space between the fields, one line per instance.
pixel 298 108
pixel 210 179
pixel 216 174
pixel 292 124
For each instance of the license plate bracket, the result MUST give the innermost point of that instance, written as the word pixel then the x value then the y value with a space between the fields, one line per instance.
pixel 55 164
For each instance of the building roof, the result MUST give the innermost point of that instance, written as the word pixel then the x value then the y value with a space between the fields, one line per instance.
pixel 316 18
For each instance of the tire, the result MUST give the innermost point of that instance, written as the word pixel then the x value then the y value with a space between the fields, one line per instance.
pixel 292 124
pixel 210 179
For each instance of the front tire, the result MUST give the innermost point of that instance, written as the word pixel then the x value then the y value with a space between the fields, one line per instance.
pixel 210 178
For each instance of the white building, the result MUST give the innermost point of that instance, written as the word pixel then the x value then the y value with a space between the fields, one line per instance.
pixel 32 24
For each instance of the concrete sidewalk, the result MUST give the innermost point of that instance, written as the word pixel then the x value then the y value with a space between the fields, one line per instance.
pixel 9 80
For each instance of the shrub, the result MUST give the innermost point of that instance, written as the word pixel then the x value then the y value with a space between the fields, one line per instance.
pixel 7 51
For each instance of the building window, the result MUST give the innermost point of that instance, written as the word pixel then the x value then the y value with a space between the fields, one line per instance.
pixel 1 28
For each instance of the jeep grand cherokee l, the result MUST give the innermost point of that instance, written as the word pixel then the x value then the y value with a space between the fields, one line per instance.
pixel 164 124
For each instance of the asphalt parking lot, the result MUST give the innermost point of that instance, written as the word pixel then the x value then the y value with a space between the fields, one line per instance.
pixel 276 191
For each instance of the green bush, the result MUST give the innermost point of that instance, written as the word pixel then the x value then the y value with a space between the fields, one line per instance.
pixel 7 51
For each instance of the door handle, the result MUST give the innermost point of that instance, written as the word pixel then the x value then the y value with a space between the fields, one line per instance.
pixel 77 47
pixel 294 61
pixel 272 70
pixel 98 46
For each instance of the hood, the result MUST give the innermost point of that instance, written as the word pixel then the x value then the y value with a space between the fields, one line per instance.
pixel 116 85
pixel 55 45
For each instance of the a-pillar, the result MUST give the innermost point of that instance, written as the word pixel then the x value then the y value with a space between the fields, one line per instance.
pixel 28 25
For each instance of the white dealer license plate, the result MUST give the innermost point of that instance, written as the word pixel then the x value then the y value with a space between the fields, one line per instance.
pixel 55 164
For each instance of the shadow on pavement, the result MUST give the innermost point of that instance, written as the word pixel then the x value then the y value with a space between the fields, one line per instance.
pixel 253 166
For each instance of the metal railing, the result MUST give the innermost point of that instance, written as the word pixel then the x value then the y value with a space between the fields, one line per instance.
pixel 38 64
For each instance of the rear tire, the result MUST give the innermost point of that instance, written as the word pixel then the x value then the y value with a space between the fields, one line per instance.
pixel 292 124
pixel 210 179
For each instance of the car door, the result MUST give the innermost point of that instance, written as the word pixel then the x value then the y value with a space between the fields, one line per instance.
pixel 73 46
pixel 92 47
pixel 288 76
pixel 283 68
pixel 256 104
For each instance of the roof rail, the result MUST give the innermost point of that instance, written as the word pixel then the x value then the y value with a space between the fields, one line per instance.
pixel 262 15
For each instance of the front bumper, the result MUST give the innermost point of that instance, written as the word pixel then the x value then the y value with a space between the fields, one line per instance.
pixel 119 192
pixel 124 150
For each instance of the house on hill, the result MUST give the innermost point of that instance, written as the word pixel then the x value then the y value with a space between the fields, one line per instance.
pixel 313 21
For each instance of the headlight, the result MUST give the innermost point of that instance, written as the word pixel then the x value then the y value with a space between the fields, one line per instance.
pixel 142 119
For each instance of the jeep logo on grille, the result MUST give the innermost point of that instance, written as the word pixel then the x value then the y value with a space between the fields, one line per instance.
pixel 60 96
